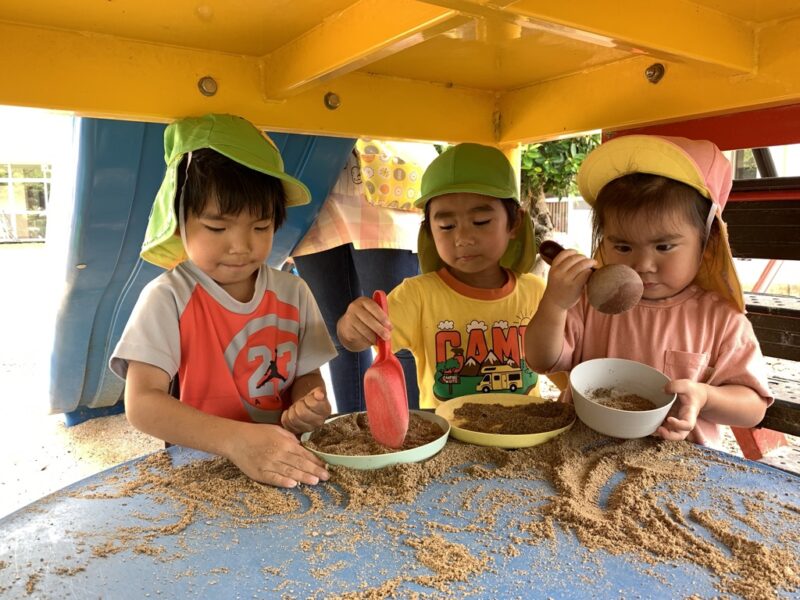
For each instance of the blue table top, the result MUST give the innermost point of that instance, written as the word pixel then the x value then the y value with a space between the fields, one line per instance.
pixel 477 532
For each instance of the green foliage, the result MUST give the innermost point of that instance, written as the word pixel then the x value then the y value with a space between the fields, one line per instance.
pixel 447 365
pixel 745 166
pixel 550 167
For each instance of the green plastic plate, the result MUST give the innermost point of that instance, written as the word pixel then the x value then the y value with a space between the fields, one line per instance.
pixel 378 461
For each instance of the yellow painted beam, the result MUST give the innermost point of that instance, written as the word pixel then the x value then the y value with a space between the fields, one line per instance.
pixel 618 95
pixel 669 29
pixel 363 33
pixel 102 76
pixel 390 108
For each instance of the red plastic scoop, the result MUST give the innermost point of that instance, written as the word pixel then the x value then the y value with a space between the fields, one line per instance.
pixel 385 392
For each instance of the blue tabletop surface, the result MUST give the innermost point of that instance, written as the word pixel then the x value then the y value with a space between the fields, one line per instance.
pixel 90 541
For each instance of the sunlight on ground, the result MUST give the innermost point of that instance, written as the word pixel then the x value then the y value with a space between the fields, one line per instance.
pixel 38 453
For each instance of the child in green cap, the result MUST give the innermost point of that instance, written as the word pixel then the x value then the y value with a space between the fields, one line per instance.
pixel 245 340
pixel 464 318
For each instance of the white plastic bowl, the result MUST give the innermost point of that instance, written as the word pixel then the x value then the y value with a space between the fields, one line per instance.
pixel 625 377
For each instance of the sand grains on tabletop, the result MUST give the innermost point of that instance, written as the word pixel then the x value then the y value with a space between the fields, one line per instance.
pixel 643 516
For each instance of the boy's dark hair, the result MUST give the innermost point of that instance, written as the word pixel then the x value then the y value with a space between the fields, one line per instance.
pixel 659 197
pixel 510 204
pixel 235 188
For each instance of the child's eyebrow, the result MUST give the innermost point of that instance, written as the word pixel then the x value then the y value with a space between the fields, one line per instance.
pixel 670 237
pixel 448 214
pixel 227 218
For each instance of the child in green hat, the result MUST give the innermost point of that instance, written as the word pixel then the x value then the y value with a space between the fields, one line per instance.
pixel 245 340
pixel 464 318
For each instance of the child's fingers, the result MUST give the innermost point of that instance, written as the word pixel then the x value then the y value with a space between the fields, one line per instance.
pixel 291 422
pixel 677 386
pixel 377 313
pixel 310 412
pixel 307 413
pixel 317 403
pixel 273 455
pixel 303 466
pixel 573 270
pixel 671 436
pixel 293 470
pixel 571 260
pixel 674 429
pixel 368 329
pixel 371 315
pixel 682 424
pixel 365 322
pixel 580 269
pixel 565 256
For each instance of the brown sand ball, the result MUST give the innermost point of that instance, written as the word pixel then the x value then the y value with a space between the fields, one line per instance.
pixel 614 289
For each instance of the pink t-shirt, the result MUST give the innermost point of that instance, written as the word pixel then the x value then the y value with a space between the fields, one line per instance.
pixel 694 335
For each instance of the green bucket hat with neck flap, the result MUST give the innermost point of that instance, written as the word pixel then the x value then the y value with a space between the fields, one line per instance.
pixel 477 169
pixel 231 136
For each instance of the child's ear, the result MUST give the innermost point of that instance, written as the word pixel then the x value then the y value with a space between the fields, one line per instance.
pixel 514 228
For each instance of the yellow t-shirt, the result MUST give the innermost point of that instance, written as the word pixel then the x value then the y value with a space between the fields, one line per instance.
pixel 465 340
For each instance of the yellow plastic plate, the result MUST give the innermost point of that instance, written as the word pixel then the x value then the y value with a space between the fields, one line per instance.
pixel 447 409
pixel 378 461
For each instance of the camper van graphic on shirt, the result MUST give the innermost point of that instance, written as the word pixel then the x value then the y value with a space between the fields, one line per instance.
pixel 480 358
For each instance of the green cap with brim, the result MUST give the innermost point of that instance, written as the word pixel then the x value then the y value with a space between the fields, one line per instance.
pixel 476 169
pixel 231 136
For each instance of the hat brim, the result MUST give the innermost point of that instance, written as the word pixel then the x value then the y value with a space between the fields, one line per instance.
pixel 637 154
pixel 472 188
pixel 297 194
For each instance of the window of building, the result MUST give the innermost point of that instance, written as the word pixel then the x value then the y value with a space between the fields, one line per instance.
pixel 24 197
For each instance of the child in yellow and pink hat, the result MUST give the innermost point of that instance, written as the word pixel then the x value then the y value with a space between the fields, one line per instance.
pixel 657 204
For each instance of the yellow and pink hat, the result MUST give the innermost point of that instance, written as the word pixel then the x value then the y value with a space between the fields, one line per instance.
pixel 697 163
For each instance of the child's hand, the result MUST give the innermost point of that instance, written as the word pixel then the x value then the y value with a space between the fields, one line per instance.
pixel 692 397
pixel 362 324
pixel 272 455
pixel 567 277
pixel 307 413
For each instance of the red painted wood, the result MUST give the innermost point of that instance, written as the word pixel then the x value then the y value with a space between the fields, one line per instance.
pixel 765 195
pixel 756 443
pixel 774 126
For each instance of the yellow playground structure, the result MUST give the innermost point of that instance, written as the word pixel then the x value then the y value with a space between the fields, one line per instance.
pixel 500 72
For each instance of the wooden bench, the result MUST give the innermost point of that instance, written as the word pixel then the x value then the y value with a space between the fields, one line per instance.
pixel 763 217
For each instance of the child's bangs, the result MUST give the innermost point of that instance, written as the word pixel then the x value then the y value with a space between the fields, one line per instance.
pixel 234 188
pixel 643 200
pixel 259 197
